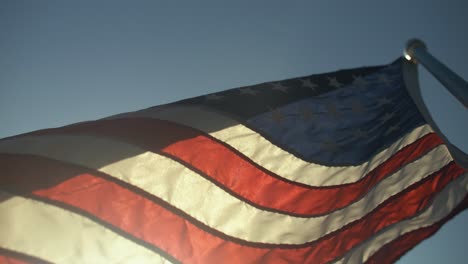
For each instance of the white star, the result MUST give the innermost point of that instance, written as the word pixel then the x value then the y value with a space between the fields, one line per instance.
pixel 383 101
pixel 386 117
pixel 248 91
pixel 309 84
pixel 279 87
pixel 334 82
pixel 331 108
pixel 360 82
pixel 330 145
pixel 214 97
pixel 306 114
pixel 357 107
pixel 383 78
pixel 359 133
pixel 277 116
pixel 392 128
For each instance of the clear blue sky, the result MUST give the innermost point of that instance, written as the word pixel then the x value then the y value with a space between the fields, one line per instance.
pixel 63 62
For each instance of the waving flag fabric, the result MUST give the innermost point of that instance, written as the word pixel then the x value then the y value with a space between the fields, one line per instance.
pixel 336 167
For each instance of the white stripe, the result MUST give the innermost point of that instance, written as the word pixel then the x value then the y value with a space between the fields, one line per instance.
pixel 56 235
pixel 206 202
pixel 443 204
pixel 268 155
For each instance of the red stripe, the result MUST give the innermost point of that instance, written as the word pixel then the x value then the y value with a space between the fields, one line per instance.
pixel 257 186
pixel 395 249
pixel 238 175
pixel 157 223
pixel 11 260
pixel 13 257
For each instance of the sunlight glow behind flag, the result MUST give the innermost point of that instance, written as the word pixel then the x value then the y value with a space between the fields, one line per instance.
pixel 336 167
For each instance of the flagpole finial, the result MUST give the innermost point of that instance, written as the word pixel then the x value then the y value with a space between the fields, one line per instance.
pixel 411 45
pixel 416 52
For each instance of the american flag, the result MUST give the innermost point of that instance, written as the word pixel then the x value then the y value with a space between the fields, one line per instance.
pixel 338 167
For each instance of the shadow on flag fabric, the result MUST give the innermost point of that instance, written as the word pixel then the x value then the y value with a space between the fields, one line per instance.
pixel 337 167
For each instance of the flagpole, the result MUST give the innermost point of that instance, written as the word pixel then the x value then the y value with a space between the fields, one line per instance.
pixel 416 52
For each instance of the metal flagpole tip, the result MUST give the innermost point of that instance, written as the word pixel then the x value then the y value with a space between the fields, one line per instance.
pixel 411 45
